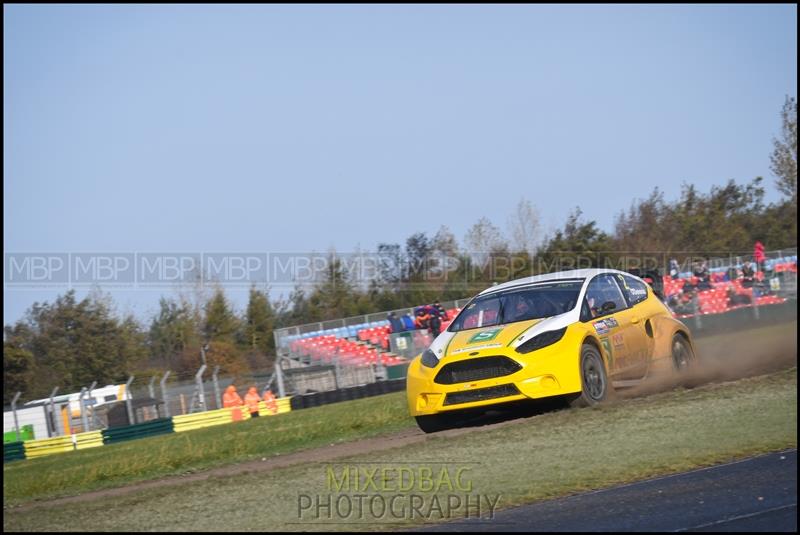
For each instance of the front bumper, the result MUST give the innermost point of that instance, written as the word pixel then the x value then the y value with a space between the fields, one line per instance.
pixel 550 371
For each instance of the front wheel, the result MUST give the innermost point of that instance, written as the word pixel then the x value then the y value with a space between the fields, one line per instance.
pixel 595 387
pixel 432 423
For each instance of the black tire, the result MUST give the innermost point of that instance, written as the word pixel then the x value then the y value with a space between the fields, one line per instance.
pixel 595 386
pixel 432 423
pixel 683 357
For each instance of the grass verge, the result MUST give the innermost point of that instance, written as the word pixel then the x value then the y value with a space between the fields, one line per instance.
pixel 549 455
pixel 180 453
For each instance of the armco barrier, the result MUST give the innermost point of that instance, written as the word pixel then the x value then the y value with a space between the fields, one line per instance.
pixel 187 422
pixel 284 405
pixel 91 439
pixel 161 426
pixel 13 451
pixel 198 420
pixel 49 446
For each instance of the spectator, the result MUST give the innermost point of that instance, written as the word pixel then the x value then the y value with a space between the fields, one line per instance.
pixel 674 268
pixel 395 323
pixel 703 278
pixel 271 402
pixel 748 275
pixel 440 309
pixel 231 397
pixel 408 322
pixel 682 302
pixel 674 300
pixel 736 299
pixel 251 399
pixel 422 319
pixel 758 255
pixel 435 320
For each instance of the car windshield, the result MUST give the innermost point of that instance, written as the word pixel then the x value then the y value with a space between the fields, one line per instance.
pixel 519 304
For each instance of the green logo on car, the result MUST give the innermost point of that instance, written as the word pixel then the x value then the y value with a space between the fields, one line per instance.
pixel 484 336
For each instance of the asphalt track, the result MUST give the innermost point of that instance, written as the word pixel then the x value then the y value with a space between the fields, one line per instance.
pixel 755 494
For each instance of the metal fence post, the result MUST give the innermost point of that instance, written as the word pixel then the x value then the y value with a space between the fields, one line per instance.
pixel 164 393
pixel 84 419
pixel 54 422
pixel 191 402
pixel 697 323
pixel 198 377
pixel 336 372
pixel 90 401
pixel 269 384
pixel 128 401
pixel 152 391
pixel 279 377
pixel 215 379
pixel 14 410
pixel 756 313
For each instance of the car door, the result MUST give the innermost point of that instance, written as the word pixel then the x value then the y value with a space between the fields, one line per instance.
pixel 617 327
pixel 636 292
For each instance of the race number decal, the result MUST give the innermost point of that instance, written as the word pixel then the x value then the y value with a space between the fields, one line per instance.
pixel 484 336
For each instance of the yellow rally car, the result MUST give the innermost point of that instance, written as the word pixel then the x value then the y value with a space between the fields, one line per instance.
pixel 574 333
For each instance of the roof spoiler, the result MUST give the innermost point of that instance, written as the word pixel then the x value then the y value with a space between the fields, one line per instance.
pixel 653 277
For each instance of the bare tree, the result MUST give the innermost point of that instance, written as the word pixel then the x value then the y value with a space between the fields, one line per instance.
pixel 524 227
pixel 784 156
pixel 444 249
pixel 482 239
pixel 444 242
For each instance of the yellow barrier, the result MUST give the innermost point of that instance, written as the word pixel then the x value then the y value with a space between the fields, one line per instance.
pixel 90 439
pixel 284 405
pixel 48 446
pixel 187 422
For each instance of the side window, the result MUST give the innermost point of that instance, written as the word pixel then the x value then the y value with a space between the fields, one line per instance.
pixel 635 290
pixel 603 297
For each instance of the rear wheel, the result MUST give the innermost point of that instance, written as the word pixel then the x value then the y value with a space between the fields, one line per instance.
pixel 595 387
pixel 683 356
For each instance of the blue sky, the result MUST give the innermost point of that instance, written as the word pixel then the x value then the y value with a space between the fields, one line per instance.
pixel 304 128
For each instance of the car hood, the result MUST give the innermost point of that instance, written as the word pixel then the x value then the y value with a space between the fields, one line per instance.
pixel 463 343
pixel 470 340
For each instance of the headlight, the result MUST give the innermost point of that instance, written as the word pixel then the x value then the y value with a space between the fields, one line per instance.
pixel 429 359
pixel 541 340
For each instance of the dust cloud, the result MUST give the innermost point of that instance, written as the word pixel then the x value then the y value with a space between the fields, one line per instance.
pixel 727 357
